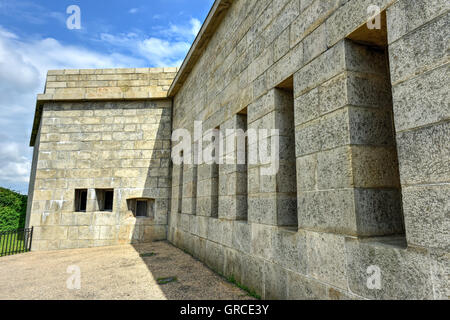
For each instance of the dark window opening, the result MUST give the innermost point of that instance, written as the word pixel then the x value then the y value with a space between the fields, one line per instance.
pixel 374 42
pixel 180 185
pixel 287 216
pixel 142 208
pixel 194 189
pixel 109 196
pixel 105 199
pixel 215 175
pixel 242 123
pixel 80 200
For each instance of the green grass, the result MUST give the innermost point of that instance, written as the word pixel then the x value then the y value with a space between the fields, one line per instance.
pixel 250 292
pixel 231 279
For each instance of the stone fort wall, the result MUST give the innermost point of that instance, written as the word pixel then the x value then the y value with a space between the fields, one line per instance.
pixel 96 133
pixel 364 144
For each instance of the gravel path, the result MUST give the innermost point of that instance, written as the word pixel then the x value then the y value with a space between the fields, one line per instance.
pixel 121 272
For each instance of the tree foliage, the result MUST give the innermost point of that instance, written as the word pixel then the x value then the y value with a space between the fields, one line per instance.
pixel 13 208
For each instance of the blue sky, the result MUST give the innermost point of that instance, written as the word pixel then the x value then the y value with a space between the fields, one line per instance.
pixel 34 38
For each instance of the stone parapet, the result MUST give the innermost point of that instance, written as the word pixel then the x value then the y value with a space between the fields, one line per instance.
pixel 103 85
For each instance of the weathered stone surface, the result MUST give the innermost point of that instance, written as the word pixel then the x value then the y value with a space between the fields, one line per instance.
pixel 422 50
pixel 424 154
pixel 427 215
pixel 312 17
pixel 400 269
pixel 307 107
pixel 328 211
pixel 304 288
pixel 315 44
pixel 369 90
pixel 370 127
pixel 262 209
pixel 242 235
pixel 440 266
pixel 334 169
pixel 253 273
pixel 281 45
pixel 328 132
pixel 233 265
pixel 289 250
pixel 220 231
pixel 422 100
pixel 351 15
pixel 262 241
pixel 326 258
pixel 404 16
pixel 375 167
pixel 333 94
pixel 306 173
pixel 215 256
pixel 321 69
pixel 275 282
pixel 347 180
pixel 109 83
pixel 378 212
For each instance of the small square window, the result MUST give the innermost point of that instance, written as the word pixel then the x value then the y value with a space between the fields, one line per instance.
pixel 105 199
pixel 80 200
pixel 142 208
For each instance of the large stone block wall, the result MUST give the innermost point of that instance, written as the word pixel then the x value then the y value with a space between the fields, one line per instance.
pixel 368 193
pixel 123 146
pixel 128 83
pixel 99 143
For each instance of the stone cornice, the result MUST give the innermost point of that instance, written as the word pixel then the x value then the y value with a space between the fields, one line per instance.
pixel 103 85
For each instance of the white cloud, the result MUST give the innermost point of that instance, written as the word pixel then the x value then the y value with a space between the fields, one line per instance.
pixel 14 166
pixel 7 34
pixel 157 52
pixel 183 31
pixel 133 10
pixel 163 53
pixel 196 26
pixel 166 49
pixel 25 62
pixel 23 67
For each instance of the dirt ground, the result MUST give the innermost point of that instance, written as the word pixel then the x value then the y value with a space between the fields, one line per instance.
pixel 122 272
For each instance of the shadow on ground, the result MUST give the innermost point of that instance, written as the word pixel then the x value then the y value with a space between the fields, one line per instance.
pixel 187 277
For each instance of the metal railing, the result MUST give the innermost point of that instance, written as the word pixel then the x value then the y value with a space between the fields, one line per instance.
pixel 14 242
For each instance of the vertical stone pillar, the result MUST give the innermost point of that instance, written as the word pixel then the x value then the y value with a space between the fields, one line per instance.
pixel 176 180
pixel 233 175
pixel 348 180
pixel 189 189
pixel 91 204
pixel 207 196
pixel 272 197
pixel 419 65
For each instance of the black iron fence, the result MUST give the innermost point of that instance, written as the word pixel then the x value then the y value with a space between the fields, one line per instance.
pixel 17 241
